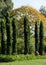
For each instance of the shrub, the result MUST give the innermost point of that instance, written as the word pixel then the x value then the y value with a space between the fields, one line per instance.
pixel 10 58
pixel 7 58
pixel 20 46
pixel 44 47
pixel 31 46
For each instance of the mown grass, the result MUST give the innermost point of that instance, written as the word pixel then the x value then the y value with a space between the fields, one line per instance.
pixel 27 62
pixel 22 60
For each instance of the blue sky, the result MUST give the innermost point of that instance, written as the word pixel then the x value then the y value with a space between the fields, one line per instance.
pixel 33 3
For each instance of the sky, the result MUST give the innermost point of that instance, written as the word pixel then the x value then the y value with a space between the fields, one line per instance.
pixel 33 3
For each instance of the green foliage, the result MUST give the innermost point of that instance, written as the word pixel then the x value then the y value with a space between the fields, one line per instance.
pixel 31 46
pixel 3 37
pixel 14 26
pixel 36 37
pixel 44 46
pixel 41 36
pixel 5 5
pixel 10 58
pixel 9 34
pixel 6 58
pixel 26 35
pixel 20 46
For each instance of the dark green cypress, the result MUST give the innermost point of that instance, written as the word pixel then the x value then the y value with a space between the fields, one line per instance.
pixel 36 38
pixel 14 26
pixel 3 36
pixel 26 35
pixel 41 38
pixel 9 33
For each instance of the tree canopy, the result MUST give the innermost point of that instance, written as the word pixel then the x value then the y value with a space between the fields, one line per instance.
pixel 5 5
pixel 43 10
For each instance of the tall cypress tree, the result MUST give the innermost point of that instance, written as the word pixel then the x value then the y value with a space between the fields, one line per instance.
pixel 14 26
pixel 26 35
pixel 3 37
pixel 36 38
pixel 9 33
pixel 41 36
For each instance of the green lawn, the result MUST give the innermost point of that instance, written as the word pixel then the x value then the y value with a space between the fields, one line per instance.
pixel 30 62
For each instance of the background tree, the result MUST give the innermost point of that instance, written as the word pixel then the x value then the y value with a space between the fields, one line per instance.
pixel 43 10
pixel 36 38
pixel 14 26
pixel 26 35
pixel 3 37
pixel 5 5
pixel 9 33
pixel 41 37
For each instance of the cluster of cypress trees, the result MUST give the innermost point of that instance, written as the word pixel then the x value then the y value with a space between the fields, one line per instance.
pixel 10 27
pixel 39 38
pixel 8 35
pixel 9 30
